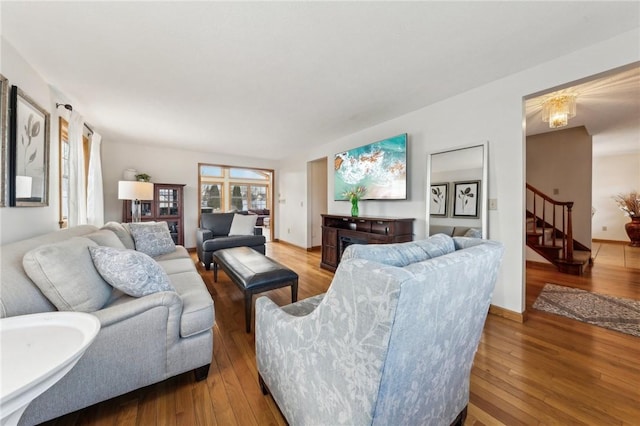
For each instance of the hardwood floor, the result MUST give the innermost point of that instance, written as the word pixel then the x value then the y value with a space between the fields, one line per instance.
pixel 616 254
pixel 549 370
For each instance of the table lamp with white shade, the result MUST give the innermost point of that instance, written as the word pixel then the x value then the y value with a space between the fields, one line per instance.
pixel 135 191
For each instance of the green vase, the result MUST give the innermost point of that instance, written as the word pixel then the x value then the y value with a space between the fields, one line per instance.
pixel 354 207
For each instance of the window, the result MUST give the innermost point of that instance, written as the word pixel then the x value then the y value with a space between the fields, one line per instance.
pixel 211 198
pixel 226 189
pixel 238 198
pixel 258 197
pixel 63 191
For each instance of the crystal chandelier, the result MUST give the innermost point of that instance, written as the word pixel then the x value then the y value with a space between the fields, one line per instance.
pixel 557 110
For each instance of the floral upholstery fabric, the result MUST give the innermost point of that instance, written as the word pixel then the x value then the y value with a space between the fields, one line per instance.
pixel 386 344
pixel 153 239
pixel 130 271
pixel 401 254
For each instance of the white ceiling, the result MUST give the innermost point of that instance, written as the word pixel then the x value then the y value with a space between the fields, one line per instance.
pixel 608 106
pixel 265 79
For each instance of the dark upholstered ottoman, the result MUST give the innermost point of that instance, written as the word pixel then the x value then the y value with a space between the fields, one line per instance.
pixel 254 273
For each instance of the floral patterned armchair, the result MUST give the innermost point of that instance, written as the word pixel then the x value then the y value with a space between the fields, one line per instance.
pixel 391 342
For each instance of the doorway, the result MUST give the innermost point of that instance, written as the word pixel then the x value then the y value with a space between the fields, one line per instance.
pixel 607 113
pixel 316 201
pixel 244 190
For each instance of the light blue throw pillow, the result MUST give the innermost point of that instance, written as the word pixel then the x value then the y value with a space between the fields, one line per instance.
pixel 153 239
pixel 130 271
pixel 473 233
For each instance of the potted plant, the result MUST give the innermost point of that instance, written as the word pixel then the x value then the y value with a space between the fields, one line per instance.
pixel 354 195
pixel 630 205
pixel 143 177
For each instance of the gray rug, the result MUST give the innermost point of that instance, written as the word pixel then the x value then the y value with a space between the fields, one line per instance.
pixel 615 313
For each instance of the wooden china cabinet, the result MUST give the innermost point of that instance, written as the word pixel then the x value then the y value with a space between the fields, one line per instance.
pixel 167 206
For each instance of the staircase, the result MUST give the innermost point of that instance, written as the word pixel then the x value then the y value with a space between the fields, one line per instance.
pixel 550 233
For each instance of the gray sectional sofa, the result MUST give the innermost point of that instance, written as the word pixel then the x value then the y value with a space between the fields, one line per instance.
pixel 143 340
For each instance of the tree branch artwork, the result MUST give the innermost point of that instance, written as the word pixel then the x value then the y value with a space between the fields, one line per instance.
pixel 438 199
pixel 466 201
pixel 31 130
pixel 464 196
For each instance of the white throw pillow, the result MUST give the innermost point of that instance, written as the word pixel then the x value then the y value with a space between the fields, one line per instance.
pixel 65 274
pixel 243 224
pixel 153 239
pixel 130 271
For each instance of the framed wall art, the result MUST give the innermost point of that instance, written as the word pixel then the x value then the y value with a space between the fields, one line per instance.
pixel 28 151
pixel 439 199
pixel 4 157
pixel 380 167
pixel 465 202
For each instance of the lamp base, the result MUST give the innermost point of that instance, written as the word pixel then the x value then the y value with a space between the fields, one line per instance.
pixel 135 211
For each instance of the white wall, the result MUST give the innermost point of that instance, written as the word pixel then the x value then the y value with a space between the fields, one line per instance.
pixel 613 175
pixel 164 165
pixel 493 112
pixel 291 203
pixel 22 222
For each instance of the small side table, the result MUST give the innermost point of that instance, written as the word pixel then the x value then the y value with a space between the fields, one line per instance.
pixel 37 351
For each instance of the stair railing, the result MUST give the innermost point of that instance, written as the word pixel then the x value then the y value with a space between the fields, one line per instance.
pixel 540 201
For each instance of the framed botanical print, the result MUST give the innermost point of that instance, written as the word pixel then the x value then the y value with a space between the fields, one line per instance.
pixel 4 154
pixel 439 199
pixel 465 202
pixel 29 151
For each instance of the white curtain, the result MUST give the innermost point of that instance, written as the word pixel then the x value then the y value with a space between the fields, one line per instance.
pixel 77 191
pixel 95 198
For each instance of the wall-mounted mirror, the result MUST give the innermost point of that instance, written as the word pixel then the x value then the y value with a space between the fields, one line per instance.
pixel 457 191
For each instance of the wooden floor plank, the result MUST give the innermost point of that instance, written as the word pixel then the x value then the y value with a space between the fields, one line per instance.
pixel 549 370
pixel 166 406
pixel 128 413
pixel 185 410
pixel 219 398
pixel 147 406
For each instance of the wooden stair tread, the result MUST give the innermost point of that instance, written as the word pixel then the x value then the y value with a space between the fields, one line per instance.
pixel 580 257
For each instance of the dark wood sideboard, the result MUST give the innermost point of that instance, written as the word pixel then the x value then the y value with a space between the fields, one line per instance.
pixel 338 232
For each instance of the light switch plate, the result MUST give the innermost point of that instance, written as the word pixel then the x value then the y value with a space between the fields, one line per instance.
pixel 493 204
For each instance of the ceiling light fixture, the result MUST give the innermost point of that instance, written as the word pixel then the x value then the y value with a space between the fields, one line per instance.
pixel 557 110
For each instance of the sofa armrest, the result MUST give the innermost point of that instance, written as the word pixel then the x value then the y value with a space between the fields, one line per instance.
pixel 202 235
pixel 257 230
pixel 341 344
pixel 135 306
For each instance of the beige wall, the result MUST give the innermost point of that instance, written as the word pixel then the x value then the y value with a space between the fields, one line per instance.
pixel 613 175
pixel 317 200
pixel 561 160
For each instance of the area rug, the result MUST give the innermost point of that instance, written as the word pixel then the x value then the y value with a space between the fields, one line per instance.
pixel 610 312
